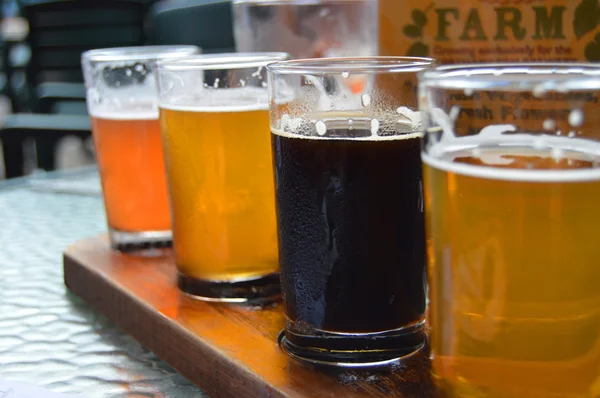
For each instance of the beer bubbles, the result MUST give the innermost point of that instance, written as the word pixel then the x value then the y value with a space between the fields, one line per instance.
pixel 366 100
pixel 576 118
pixel 321 128
pixel 549 124
pixel 374 126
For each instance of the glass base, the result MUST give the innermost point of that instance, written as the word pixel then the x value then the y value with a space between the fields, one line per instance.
pixel 143 243
pixel 354 349
pixel 258 291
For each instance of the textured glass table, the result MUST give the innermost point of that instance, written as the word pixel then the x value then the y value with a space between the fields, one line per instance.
pixel 49 337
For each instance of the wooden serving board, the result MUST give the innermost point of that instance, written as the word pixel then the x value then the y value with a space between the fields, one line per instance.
pixel 227 350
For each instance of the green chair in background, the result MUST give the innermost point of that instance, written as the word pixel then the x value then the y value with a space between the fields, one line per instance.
pixel 204 23
pixel 59 31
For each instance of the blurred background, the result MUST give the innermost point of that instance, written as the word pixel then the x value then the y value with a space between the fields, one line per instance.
pixel 43 118
pixel 44 124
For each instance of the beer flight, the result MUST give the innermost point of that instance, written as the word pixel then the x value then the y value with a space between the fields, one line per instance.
pixel 337 187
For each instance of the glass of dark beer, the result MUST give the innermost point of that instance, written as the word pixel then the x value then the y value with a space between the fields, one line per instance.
pixel 348 185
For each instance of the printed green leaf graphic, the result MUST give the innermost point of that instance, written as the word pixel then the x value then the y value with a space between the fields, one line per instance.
pixel 418 50
pixel 412 31
pixel 419 18
pixel 592 50
pixel 586 17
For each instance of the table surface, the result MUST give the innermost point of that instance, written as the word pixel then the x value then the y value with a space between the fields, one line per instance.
pixel 49 337
pixel 238 345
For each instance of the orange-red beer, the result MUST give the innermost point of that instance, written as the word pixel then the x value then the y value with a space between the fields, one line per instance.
pixel 131 162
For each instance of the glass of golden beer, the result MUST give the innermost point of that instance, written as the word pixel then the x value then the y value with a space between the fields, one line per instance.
pixel 215 128
pixel 348 185
pixel 122 103
pixel 512 168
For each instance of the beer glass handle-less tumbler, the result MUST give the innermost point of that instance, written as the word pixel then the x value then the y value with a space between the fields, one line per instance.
pixel 346 147
pixel 307 28
pixel 215 126
pixel 512 185
pixel 122 102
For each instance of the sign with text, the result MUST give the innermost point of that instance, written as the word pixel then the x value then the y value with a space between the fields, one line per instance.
pixel 466 31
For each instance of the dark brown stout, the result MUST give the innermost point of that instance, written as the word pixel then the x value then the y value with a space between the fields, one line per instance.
pixel 351 231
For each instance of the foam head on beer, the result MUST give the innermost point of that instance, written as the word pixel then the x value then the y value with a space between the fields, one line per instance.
pixel 121 81
pixel 512 179
pixel 353 97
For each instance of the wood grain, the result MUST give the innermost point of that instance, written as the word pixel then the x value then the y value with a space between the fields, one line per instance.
pixel 227 350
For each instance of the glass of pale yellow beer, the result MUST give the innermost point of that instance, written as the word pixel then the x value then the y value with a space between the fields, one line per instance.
pixel 512 181
pixel 122 103
pixel 215 128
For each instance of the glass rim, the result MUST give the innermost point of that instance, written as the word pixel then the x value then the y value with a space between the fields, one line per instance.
pixel 139 53
pixel 222 61
pixel 514 76
pixel 373 64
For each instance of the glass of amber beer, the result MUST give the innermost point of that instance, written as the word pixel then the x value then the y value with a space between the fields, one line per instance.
pixel 122 102
pixel 349 208
pixel 215 127
pixel 512 169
